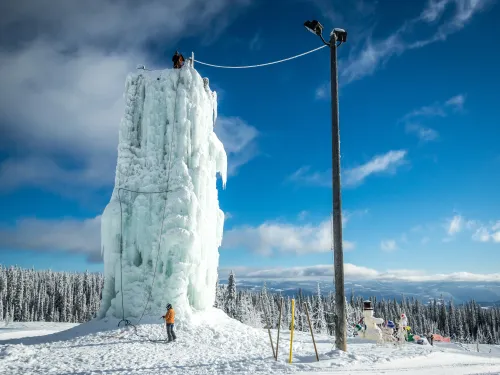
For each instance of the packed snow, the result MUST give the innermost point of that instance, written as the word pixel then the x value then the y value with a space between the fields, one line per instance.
pixel 212 343
pixel 15 330
pixel 172 230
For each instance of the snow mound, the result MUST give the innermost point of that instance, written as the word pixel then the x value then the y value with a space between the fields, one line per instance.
pixel 210 343
pixel 170 232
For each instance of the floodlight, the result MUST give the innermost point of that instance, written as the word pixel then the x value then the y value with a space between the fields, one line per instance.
pixel 314 27
pixel 340 34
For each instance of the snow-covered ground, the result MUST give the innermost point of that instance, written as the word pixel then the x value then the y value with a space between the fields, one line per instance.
pixel 215 344
pixel 15 330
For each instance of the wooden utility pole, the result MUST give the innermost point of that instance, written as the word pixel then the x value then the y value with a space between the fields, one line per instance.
pixel 338 252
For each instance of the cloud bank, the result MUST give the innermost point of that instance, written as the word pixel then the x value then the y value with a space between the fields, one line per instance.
pixel 355 273
pixel 63 65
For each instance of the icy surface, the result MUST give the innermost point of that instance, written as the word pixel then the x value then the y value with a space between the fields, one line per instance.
pixel 212 343
pixel 167 146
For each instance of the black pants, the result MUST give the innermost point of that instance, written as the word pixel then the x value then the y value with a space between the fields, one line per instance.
pixel 170 332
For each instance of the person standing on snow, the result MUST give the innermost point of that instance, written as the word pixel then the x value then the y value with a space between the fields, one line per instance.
pixel 178 60
pixel 169 322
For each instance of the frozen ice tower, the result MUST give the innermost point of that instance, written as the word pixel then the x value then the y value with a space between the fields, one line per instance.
pixel 163 216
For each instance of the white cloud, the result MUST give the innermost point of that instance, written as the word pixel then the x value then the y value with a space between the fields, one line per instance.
pixel 496 226
pixel 455 225
pixel 64 235
pixel 354 272
pixel 481 232
pixel 423 133
pixel 239 140
pixel 256 42
pixel 365 61
pixel 380 163
pixel 388 245
pixel 274 236
pixel 481 235
pixel 485 233
pixel 316 272
pixel 63 66
pixel 457 102
pixel 496 236
pixel 373 54
pixel 303 215
pixel 437 109
pixel 352 177
pixel 303 175
pixel 323 91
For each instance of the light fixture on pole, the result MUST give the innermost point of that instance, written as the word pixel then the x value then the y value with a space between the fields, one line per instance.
pixel 337 37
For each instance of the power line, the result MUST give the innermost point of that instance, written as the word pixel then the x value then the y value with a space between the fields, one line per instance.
pixel 260 65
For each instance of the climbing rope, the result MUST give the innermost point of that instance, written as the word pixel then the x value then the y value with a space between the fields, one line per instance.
pixel 126 321
pixel 259 65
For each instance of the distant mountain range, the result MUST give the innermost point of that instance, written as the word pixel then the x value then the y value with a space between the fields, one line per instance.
pixel 485 293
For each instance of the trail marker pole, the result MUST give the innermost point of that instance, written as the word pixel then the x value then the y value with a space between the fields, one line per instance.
pixel 268 327
pixel 312 333
pixel 279 327
pixel 291 330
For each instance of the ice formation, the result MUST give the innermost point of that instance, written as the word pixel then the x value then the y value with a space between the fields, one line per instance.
pixel 166 144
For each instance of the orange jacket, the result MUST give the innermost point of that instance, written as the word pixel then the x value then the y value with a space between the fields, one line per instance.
pixel 169 316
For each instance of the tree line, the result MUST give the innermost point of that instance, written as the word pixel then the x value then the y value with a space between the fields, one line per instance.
pixel 30 295
pixel 467 323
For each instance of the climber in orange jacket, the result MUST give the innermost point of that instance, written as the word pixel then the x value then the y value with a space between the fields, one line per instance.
pixel 169 322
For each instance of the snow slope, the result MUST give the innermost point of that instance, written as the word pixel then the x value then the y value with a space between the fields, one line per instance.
pixel 164 209
pixel 15 330
pixel 212 343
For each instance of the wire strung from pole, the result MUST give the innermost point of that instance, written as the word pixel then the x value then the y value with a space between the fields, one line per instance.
pixel 260 65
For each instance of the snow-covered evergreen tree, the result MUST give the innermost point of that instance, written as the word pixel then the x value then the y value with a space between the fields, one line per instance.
pixel 318 318
pixel 230 298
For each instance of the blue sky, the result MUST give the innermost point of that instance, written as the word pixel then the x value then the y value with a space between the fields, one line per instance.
pixel 419 130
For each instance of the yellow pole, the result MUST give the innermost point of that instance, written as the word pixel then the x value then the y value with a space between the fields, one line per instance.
pixel 291 330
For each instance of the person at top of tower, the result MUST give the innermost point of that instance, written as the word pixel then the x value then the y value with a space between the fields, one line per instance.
pixel 178 60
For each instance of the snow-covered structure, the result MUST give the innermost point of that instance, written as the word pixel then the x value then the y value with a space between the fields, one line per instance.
pixel 163 217
pixel 372 331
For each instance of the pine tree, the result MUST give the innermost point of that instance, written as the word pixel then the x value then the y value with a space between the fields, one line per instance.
pixel 230 300
pixel 318 312
pixel 19 297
